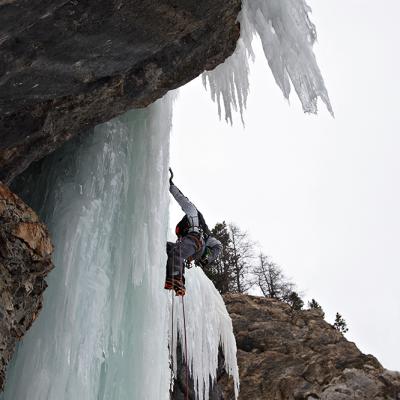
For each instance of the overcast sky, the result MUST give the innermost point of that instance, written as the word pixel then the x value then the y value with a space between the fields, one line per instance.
pixel 320 195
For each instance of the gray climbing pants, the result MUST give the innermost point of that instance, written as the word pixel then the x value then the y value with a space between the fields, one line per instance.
pixel 189 247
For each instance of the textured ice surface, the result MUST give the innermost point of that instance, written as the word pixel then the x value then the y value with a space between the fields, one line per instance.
pixel 208 325
pixel 103 324
pixel 287 37
pixel 103 331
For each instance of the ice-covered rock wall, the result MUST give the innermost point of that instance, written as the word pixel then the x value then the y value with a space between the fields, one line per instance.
pixel 104 330
pixel 105 201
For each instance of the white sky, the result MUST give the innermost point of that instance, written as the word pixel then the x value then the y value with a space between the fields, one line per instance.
pixel 320 195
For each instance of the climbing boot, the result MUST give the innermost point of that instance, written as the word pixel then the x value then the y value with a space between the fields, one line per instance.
pixel 179 286
pixel 168 285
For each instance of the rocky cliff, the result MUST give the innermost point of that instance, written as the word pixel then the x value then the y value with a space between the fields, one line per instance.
pixel 67 65
pixel 25 260
pixel 296 355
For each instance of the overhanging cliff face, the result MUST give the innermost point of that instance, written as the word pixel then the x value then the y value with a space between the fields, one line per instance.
pixel 296 355
pixel 66 66
pixel 25 261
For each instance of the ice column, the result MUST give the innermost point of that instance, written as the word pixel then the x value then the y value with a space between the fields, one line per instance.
pixel 103 331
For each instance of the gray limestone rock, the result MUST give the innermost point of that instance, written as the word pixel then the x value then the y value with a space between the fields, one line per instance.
pixel 67 65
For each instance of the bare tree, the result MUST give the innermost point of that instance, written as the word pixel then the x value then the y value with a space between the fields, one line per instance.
pixel 272 281
pixel 230 272
pixel 242 256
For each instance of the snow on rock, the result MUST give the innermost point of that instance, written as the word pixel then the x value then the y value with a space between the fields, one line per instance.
pixel 287 35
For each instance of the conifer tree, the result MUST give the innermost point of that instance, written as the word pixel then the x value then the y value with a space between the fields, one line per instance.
pixel 230 272
pixel 295 301
pixel 221 271
pixel 313 304
pixel 340 324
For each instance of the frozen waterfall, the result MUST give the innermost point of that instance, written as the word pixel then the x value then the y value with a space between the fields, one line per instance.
pixel 104 331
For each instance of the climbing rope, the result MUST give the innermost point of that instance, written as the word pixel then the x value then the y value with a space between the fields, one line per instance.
pixel 184 330
pixel 171 385
pixel 186 353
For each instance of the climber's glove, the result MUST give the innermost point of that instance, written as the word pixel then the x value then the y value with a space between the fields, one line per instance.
pixel 171 177
pixel 204 258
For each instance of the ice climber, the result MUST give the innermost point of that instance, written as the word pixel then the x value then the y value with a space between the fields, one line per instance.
pixel 194 243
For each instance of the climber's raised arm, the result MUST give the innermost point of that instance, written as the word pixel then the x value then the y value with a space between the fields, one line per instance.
pixel 187 206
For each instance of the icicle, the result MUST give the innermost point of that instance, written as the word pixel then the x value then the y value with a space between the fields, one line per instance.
pixel 287 37
pixel 230 82
pixel 209 326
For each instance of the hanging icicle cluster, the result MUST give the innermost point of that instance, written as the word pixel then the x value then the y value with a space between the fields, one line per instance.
pixel 287 36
